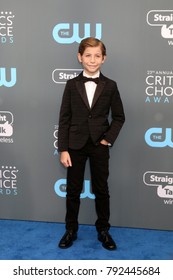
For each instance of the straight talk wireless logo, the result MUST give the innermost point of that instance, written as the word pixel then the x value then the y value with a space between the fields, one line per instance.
pixel 163 19
pixel 6 127
pixel 60 76
pixel 164 183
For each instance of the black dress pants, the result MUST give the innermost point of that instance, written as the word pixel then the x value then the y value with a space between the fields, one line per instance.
pixel 99 165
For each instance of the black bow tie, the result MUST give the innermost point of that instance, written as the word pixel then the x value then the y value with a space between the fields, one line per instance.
pixel 85 79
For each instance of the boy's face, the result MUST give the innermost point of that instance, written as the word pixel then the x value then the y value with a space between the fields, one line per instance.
pixel 92 59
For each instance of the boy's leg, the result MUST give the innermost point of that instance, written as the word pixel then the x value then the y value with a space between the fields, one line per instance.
pixel 75 178
pixel 99 164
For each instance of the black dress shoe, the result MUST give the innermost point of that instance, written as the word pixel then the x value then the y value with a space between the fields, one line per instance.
pixel 107 241
pixel 67 239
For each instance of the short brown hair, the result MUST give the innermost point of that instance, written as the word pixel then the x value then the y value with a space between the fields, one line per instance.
pixel 91 42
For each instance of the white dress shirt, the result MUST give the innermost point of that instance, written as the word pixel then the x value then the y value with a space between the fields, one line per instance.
pixel 90 87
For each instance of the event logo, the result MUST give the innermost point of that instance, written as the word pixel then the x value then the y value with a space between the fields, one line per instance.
pixel 60 189
pixel 55 143
pixel 164 183
pixel 8 180
pixel 6 127
pixel 60 76
pixel 158 137
pixel 163 18
pixel 6 79
pixel 66 33
pixel 6 27
pixel 159 87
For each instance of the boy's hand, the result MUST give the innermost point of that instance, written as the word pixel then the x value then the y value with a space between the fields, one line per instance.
pixel 104 142
pixel 65 159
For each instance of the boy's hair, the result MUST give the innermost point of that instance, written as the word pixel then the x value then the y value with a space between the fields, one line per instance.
pixel 91 42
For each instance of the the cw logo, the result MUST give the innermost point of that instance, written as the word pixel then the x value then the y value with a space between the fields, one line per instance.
pixel 61 32
pixel 3 79
pixel 60 189
pixel 155 137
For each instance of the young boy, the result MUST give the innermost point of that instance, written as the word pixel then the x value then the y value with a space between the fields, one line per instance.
pixel 86 133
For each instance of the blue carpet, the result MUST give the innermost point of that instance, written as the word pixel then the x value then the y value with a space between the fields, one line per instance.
pixel 25 240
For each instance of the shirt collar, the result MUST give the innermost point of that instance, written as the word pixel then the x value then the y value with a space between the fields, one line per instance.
pixel 94 76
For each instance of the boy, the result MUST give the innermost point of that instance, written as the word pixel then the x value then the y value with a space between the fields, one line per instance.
pixel 85 133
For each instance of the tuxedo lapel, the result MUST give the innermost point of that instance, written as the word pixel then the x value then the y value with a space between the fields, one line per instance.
pixel 98 91
pixel 81 89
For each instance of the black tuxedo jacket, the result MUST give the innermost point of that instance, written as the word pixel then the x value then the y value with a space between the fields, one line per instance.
pixel 78 121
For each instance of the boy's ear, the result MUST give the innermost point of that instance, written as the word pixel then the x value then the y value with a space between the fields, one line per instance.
pixel 104 58
pixel 79 57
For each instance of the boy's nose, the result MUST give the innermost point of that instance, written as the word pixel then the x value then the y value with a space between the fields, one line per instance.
pixel 92 59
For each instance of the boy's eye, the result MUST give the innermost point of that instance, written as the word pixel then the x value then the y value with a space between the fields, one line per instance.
pixel 88 55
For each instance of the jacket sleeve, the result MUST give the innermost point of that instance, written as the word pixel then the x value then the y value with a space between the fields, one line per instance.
pixel 64 120
pixel 117 116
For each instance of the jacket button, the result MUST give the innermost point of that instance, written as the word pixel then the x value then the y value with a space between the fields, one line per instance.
pixel 90 116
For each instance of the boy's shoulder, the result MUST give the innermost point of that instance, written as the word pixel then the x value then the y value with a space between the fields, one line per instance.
pixel 76 78
pixel 107 79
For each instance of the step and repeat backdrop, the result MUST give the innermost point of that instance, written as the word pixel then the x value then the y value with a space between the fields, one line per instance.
pixel 38 54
